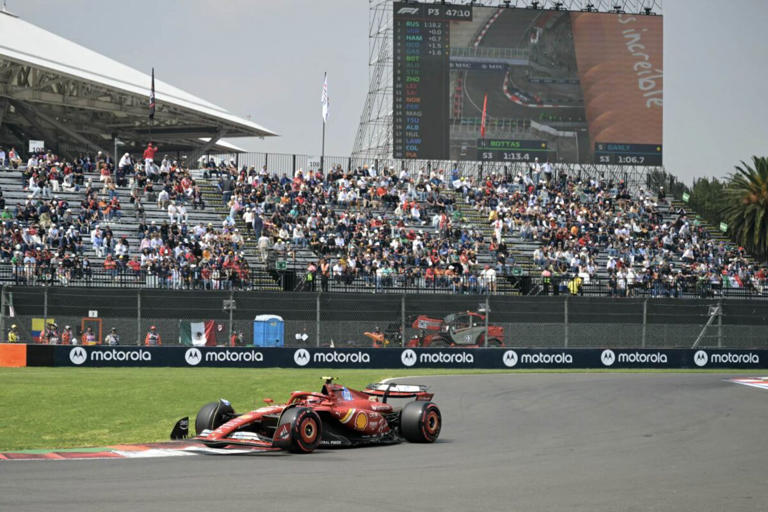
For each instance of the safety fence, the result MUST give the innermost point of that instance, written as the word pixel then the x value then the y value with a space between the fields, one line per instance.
pixel 315 319
pixel 496 358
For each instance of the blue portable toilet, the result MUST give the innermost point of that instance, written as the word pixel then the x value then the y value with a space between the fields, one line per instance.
pixel 268 331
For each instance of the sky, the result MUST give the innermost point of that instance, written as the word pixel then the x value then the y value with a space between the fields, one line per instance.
pixel 264 60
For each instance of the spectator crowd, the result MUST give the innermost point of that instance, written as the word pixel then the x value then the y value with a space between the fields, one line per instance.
pixel 359 227
pixel 377 228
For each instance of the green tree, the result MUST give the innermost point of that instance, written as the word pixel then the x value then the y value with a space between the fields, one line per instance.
pixel 658 179
pixel 746 204
pixel 708 199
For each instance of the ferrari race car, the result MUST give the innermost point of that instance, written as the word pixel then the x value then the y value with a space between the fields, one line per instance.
pixel 335 417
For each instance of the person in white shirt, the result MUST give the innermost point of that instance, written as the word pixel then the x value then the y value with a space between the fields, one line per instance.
pixel 112 338
pixel 263 245
pixel 488 276
pixel 162 199
pixel 172 211
pixel 181 213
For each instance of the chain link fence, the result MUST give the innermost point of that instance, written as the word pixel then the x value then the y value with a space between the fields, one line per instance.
pixel 343 319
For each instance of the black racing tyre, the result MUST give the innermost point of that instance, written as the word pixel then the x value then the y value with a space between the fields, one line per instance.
pixel 495 342
pixel 212 415
pixel 420 422
pixel 304 430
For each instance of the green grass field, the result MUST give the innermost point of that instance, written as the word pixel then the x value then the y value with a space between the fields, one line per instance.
pixel 53 408
pixel 66 408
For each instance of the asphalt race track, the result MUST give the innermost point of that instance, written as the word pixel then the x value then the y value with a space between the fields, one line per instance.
pixel 511 442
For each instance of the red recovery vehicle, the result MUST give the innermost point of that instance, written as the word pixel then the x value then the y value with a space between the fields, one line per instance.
pixel 465 329
pixel 337 416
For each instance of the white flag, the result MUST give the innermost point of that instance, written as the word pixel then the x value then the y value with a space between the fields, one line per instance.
pixel 324 98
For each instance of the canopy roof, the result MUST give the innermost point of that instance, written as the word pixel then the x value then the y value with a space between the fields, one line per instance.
pixel 55 90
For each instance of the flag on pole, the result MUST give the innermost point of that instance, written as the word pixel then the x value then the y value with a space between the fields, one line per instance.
pixel 482 120
pixel 324 98
pixel 152 97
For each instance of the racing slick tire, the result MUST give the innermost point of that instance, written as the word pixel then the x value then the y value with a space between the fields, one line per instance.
pixel 304 430
pixel 212 415
pixel 495 342
pixel 420 422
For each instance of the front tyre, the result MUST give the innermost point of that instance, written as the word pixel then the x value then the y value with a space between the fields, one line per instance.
pixel 212 415
pixel 299 430
pixel 420 422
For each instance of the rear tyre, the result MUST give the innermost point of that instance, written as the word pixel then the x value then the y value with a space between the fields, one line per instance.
pixel 420 422
pixel 495 342
pixel 299 430
pixel 213 415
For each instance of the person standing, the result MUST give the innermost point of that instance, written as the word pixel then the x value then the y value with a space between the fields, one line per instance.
pixel 113 338
pixel 67 337
pixel 153 337
pixel 149 157
pixel 89 337
pixel 325 274
pixel 13 334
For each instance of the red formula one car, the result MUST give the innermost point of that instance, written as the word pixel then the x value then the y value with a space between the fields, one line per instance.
pixel 335 417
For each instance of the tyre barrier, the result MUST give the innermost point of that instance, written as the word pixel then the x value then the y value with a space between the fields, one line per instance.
pixel 389 358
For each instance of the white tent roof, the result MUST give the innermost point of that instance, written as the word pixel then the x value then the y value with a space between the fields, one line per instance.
pixel 25 42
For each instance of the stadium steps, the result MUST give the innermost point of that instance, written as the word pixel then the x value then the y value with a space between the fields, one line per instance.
pixel 478 222
pixel 714 231
pixel 260 274
pixel 11 185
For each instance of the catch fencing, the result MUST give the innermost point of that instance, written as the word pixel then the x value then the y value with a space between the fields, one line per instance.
pixel 341 319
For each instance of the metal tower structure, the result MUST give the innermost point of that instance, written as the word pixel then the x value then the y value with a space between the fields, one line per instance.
pixel 374 133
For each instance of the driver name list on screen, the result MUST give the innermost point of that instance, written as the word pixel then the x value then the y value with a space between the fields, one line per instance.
pixel 557 85
pixel 421 64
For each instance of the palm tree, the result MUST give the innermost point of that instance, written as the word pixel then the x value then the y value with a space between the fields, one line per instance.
pixel 746 206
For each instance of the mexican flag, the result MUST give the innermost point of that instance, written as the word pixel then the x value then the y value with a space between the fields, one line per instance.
pixel 188 333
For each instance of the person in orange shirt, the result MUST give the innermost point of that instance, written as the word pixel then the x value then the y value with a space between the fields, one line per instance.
pixel 66 335
pixel 153 337
pixel 110 265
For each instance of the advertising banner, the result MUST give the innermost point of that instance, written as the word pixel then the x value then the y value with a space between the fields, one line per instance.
pixel 310 357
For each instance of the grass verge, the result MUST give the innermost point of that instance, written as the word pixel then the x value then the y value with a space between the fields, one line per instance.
pixel 66 408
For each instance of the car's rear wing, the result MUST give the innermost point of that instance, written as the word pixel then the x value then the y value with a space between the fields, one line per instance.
pixel 394 390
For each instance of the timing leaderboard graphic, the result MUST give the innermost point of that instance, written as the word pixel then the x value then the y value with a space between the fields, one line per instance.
pixel 559 86
pixel 420 117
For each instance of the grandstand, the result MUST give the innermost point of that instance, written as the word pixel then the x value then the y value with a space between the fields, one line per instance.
pixel 76 100
pixel 382 226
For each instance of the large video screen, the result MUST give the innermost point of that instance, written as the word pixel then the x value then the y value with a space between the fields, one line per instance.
pixel 511 84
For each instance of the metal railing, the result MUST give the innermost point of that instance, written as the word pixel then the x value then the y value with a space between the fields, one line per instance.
pixel 98 277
